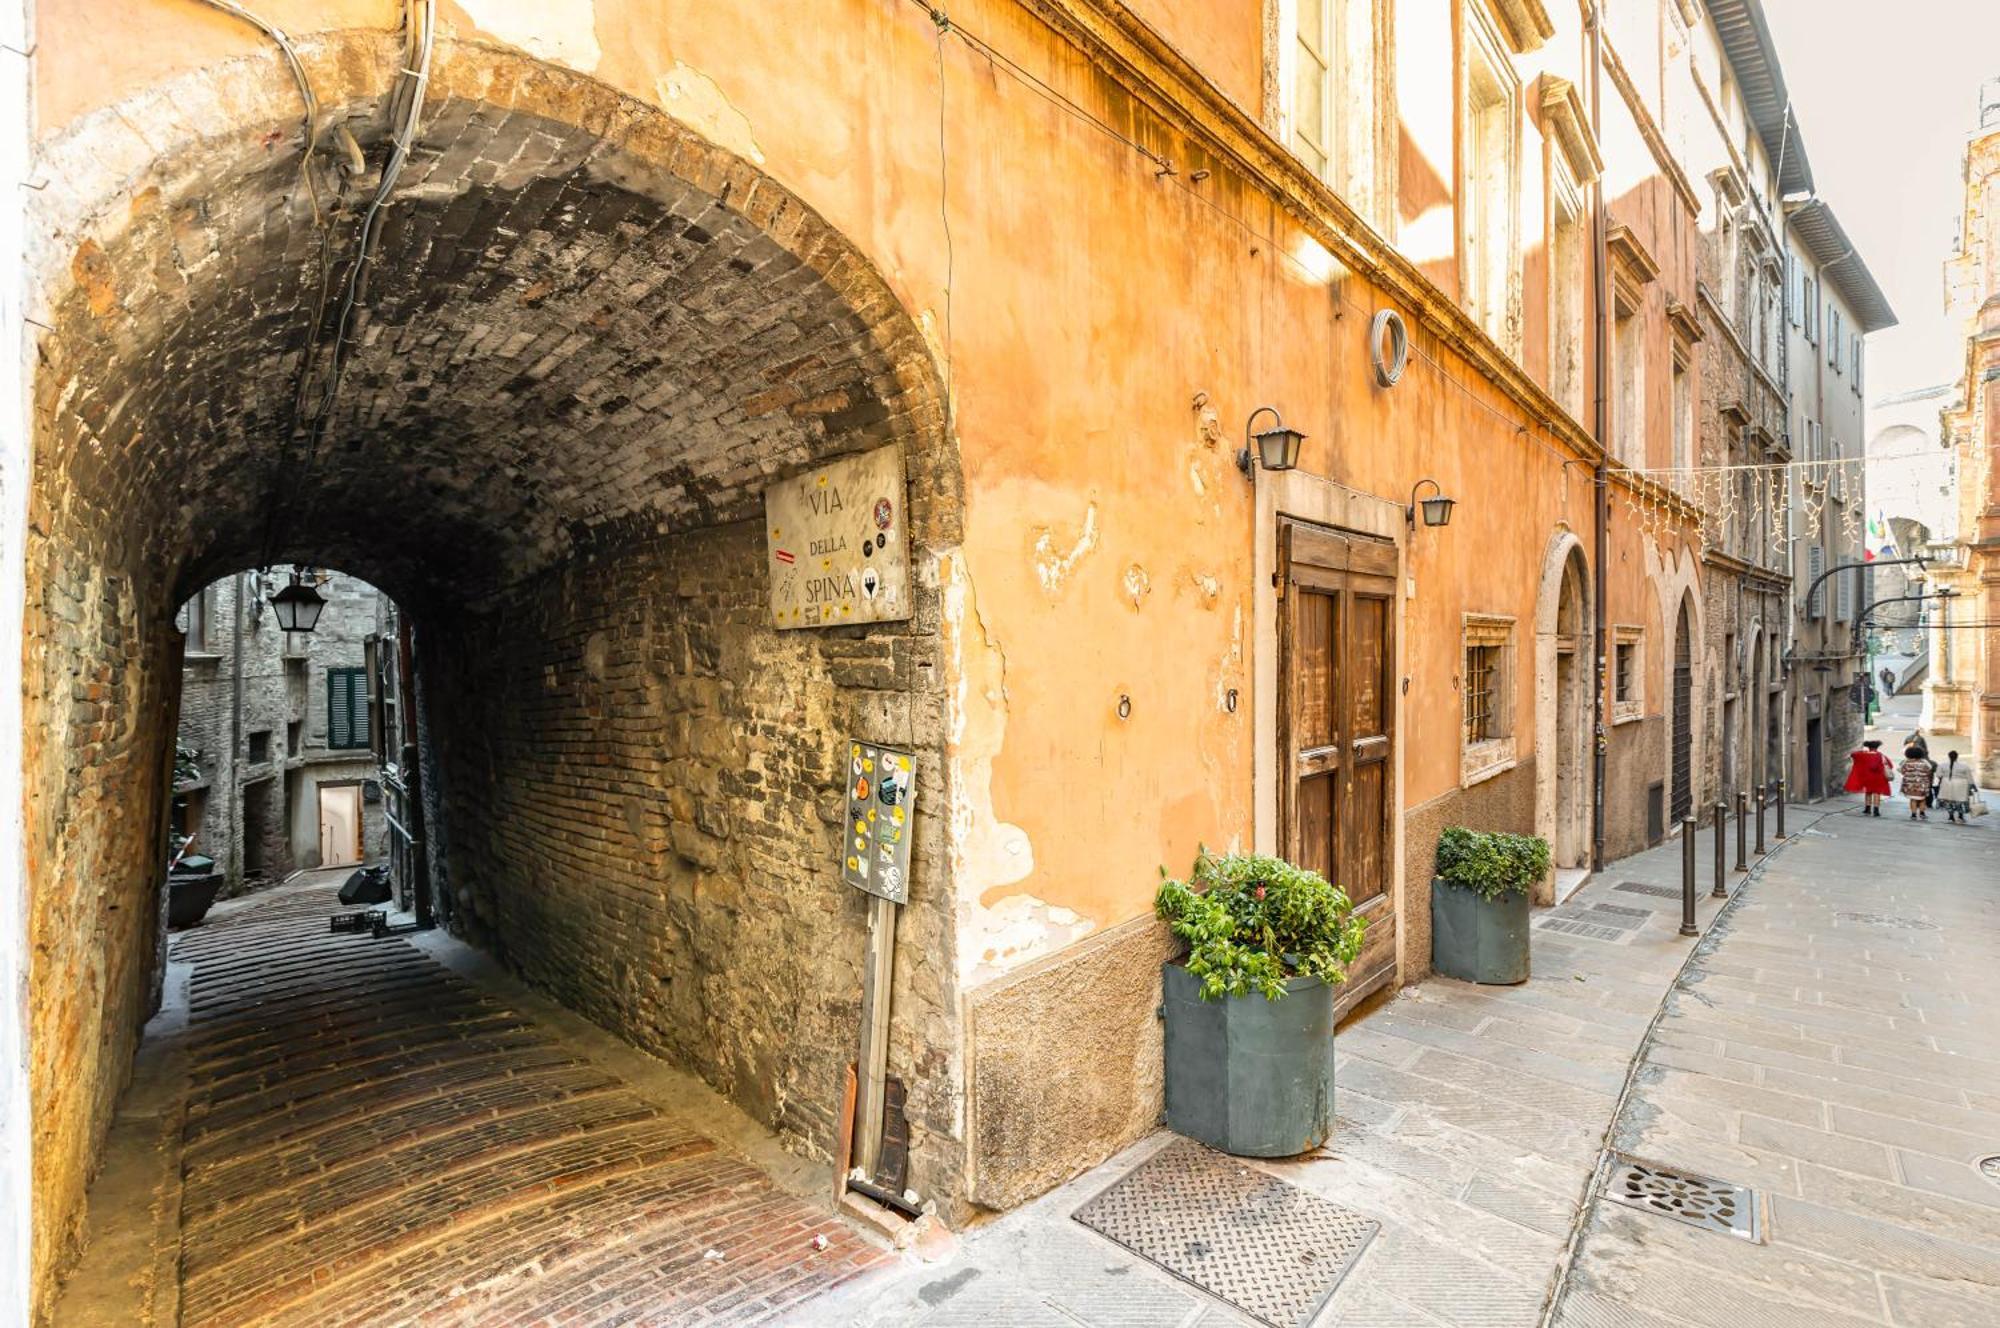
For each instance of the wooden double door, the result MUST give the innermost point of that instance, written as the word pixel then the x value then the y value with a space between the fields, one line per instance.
pixel 1337 726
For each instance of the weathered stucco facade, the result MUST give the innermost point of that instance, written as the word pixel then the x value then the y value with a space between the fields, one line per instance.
pixel 644 263
pixel 1962 698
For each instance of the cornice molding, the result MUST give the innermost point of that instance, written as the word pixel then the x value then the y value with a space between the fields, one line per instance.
pixel 1566 121
pixel 1682 322
pixel 1525 22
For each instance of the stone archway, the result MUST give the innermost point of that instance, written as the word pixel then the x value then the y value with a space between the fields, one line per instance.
pixel 1564 666
pixel 591 340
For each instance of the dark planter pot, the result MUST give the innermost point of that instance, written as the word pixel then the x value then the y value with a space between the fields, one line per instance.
pixel 190 897
pixel 1246 1075
pixel 1478 940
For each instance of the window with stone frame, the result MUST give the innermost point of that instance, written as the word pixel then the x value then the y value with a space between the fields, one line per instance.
pixel 1569 276
pixel 1628 376
pixel 1628 676
pixel 1487 688
pixel 1331 94
pixel 1683 405
pixel 1489 127
pixel 198 622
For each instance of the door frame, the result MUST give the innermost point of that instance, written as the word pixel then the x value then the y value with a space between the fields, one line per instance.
pixel 1312 499
pixel 354 786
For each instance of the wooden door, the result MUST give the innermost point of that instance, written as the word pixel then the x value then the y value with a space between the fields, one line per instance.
pixel 1336 727
pixel 340 826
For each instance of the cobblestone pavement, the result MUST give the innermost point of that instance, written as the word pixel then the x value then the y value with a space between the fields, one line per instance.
pixel 370 1138
pixel 1470 1121
pixel 1836 1047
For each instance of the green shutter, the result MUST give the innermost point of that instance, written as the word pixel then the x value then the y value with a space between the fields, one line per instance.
pixel 346 708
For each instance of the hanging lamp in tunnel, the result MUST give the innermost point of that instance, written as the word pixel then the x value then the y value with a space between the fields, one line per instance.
pixel 298 605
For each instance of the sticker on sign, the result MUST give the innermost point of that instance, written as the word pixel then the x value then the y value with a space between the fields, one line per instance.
pixel 838 543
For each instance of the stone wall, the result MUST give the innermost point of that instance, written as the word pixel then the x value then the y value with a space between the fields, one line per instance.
pixel 644 784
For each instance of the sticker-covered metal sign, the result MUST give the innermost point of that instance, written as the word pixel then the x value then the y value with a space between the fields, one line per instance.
pixel 881 813
pixel 838 543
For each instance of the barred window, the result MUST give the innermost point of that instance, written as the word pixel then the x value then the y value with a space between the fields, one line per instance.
pixel 1482 669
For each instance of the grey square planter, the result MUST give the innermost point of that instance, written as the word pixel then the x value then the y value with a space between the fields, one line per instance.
pixel 1246 1075
pixel 1478 940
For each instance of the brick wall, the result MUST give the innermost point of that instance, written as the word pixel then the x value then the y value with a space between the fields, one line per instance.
pixel 644 788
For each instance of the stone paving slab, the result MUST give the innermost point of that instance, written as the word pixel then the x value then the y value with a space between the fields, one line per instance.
pixel 1470 1121
pixel 1825 1047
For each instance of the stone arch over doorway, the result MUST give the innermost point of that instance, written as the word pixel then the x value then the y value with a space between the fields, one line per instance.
pixel 591 339
pixel 1564 669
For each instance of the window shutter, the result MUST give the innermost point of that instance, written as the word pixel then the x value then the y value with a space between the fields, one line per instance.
pixel 1845 599
pixel 346 708
pixel 1815 566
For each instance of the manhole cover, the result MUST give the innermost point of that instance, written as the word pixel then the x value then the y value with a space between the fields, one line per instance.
pixel 1699 1201
pixel 1269 1248
pixel 1657 891
pixel 1596 931
pixel 1887 920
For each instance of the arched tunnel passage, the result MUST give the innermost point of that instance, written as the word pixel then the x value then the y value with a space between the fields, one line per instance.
pixel 590 341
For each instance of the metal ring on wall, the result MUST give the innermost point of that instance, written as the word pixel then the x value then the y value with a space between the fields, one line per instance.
pixel 1388 346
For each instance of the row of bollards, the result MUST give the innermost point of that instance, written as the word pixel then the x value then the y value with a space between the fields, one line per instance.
pixel 1690 827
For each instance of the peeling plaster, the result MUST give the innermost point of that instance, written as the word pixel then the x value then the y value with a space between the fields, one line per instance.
pixel 692 97
pixel 1138 584
pixel 561 30
pixel 987 853
pixel 1014 931
pixel 1052 567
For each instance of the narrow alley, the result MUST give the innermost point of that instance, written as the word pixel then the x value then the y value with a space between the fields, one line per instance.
pixel 352 1133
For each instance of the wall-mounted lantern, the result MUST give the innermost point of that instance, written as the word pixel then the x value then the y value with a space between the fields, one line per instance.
pixel 1274 448
pixel 298 605
pixel 1437 508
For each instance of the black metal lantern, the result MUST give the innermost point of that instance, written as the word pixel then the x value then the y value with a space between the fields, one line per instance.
pixel 298 605
pixel 1437 507
pixel 1274 448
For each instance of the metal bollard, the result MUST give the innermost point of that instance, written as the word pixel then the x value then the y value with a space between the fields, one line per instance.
pixel 1781 811
pixel 1760 818
pixel 1721 860
pixel 1742 812
pixel 1689 829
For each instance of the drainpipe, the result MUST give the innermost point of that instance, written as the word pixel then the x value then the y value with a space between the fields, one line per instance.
pixel 1600 509
pixel 234 788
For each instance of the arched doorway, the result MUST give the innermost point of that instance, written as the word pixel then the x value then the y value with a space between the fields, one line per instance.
pixel 591 341
pixel 1562 704
pixel 1682 754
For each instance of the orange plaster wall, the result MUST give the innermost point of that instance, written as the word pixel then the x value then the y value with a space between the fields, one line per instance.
pixel 1080 306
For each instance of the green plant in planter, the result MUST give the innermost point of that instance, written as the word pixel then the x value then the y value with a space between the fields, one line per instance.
pixel 1491 863
pixel 1252 921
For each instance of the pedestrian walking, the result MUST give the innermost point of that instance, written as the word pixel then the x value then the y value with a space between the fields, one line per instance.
pixel 1868 775
pixel 1919 774
pixel 1916 740
pixel 1955 788
pixel 1888 681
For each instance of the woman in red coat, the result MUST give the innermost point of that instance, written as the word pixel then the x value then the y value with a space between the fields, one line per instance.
pixel 1868 773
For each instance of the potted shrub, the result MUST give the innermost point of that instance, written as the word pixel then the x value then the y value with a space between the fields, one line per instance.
pixel 1479 903
pixel 1249 1009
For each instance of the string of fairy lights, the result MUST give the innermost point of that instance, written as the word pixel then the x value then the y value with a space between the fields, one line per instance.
pixel 1754 497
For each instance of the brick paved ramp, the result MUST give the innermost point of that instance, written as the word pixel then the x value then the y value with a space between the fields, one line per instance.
pixel 370 1139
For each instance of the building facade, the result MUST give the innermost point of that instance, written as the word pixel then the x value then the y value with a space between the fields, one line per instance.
pixel 1833 304
pixel 1913 512
pixel 1962 698
pixel 277 727
pixel 1059 256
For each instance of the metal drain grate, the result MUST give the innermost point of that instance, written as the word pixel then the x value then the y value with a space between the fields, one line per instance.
pixel 1699 1201
pixel 1596 931
pixel 1269 1248
pixel 1887 920
pixel 1621 911
pixel 1641 888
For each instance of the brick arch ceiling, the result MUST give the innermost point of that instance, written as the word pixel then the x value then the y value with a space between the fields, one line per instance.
pixel 584 324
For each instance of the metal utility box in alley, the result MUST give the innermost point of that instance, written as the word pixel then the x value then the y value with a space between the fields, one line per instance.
pixel 837 543
pixel 881 813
